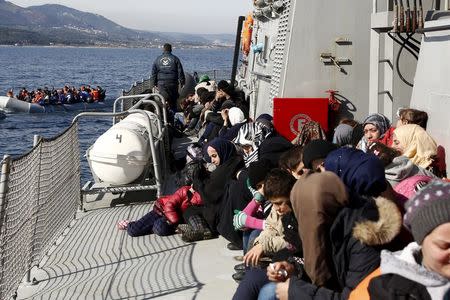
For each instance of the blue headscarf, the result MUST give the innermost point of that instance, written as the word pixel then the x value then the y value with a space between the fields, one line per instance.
pixel 225 149
pixel 362 173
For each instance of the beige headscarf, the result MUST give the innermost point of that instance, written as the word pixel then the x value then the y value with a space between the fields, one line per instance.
pixel 316 200
pixel 418 145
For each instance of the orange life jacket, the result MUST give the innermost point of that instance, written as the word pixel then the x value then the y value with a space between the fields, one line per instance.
pixel 361 292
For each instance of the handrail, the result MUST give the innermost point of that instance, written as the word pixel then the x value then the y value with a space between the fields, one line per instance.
pixel 156 165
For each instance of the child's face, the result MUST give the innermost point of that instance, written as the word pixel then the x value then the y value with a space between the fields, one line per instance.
pixel 436 250
pixel 298 172
pixel 281 205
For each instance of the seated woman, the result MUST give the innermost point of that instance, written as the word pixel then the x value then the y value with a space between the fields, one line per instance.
pixel 164 217
pixel 211 187
pixel 422 269
pixel 341 239
pixel 374 127
pixel 416 144
pixel 233 119
pixel 396 166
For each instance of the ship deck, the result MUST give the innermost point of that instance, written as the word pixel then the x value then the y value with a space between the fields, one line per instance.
pixel 95 260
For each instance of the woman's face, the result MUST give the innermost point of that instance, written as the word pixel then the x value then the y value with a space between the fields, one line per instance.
pixel 212 153
pixel 397 145
pixel 371 132
pixel 436 250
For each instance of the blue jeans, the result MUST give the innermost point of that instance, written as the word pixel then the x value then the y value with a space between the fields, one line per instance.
pixel 249 236
pixel 268 292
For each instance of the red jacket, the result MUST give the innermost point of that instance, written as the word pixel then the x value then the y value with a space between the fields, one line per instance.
pixel 174 205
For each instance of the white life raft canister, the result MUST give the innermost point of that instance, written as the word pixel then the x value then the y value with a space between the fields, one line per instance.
pixel 120 155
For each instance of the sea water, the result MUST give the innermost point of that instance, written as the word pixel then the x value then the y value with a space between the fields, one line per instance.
pixel 114 69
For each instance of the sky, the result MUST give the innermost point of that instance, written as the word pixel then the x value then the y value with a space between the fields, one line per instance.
pixel 187 16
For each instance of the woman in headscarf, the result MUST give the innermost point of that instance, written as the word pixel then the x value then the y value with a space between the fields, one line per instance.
pixel 374 127
pixel 341 238
pixel 343 135
pixel 415 143
pixel 362 173
pixel 212 187
pixel 233 119
pixel 251 136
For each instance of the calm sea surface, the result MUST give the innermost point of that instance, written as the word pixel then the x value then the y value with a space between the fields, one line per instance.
pixel 113 69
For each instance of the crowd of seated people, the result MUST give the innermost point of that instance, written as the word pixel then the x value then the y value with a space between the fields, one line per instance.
pixel 364 215
pixel 65 95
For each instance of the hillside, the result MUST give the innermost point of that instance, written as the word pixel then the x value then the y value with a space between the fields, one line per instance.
pixel 57 24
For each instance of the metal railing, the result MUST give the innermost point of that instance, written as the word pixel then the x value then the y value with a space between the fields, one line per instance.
pixel 145 86
pixel 158 141
pixel 39 196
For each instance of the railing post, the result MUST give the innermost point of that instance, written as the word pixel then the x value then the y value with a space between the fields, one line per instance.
pixel 36 139
pixel 4 177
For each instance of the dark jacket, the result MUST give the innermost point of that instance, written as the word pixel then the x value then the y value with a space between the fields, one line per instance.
pixel 173 205
pixel 236 197
pixel 212 188
pixel 355 239
pixel 167 69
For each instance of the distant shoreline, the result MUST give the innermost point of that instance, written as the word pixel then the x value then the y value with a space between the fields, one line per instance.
pixel 213 47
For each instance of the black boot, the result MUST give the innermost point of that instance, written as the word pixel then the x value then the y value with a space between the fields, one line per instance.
pixel 198 230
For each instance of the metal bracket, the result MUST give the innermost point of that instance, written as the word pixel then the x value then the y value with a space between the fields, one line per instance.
pixel 328 59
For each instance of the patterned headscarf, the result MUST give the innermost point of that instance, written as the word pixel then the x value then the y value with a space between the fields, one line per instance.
pixel 362 173
pixel 225 149
pixel 310 131
pixel 381 122
pixel 418 145
pixel 253 134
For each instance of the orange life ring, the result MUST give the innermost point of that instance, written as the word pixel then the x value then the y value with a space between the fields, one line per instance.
pixel 246 37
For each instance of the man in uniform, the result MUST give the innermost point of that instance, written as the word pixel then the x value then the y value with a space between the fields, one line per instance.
pixel 167 73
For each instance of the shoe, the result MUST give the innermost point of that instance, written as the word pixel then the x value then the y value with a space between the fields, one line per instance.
pixel 192 235
pixel 238 276
pixel 239 267
pixel 232 246
pixel 182 228
pixel 238 257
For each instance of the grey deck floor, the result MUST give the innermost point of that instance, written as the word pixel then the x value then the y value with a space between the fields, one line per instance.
pixel 93 260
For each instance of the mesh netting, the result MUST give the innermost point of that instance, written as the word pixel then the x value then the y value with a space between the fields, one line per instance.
pixel 43 192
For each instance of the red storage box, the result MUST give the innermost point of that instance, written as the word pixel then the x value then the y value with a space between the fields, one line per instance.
pixel 289 114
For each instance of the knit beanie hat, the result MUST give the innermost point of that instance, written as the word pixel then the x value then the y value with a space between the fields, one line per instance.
pixel 316 149
pixel 257 171
pixel 428 209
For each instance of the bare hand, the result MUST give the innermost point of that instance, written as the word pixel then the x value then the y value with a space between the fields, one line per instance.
pixel 224 114
pixel 282 290
pixel 273 271
pixel 253 255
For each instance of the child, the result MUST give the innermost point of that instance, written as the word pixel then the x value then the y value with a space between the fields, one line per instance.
pixel 422 269
pixel 164 217
pixel 277 189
